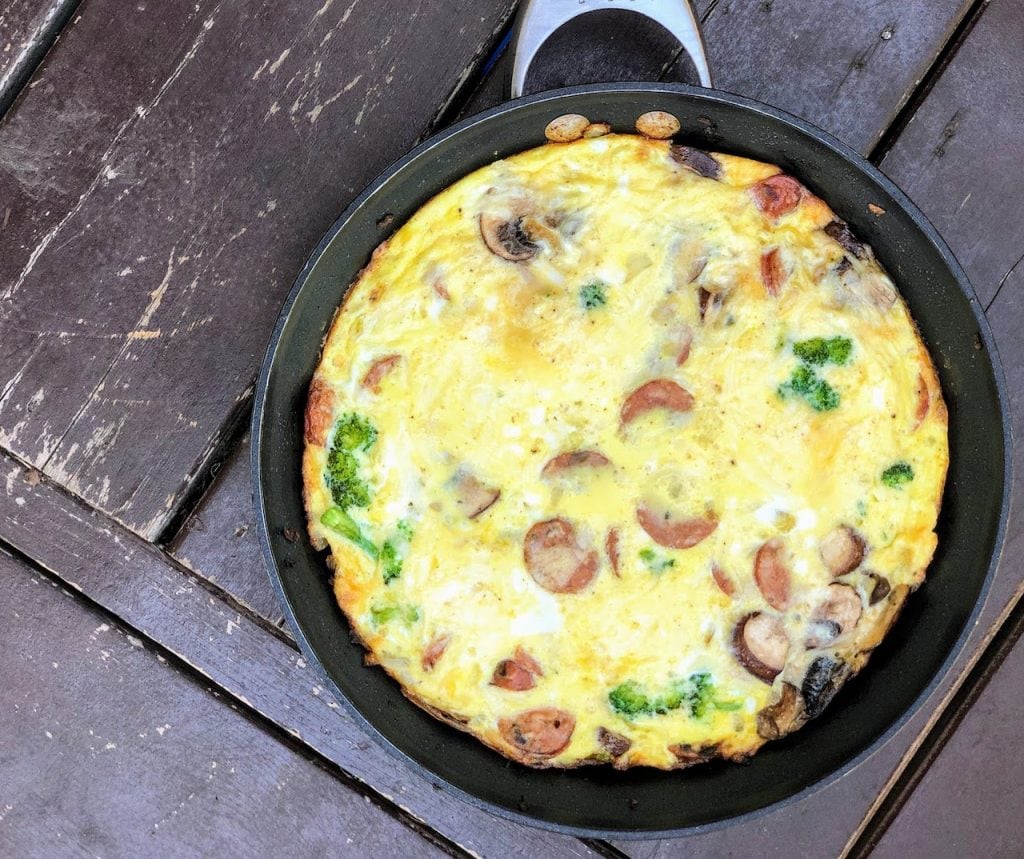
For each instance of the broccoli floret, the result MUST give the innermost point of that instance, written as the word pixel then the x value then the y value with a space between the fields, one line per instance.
pixel 629 700
pixel 384 612
pixel 352 433
pixel 806 385
pixel 655 563
pixel 897 474
pixel 819 351
pixel 697 692
pixel 338 520
pixel 592 295
pixel 393 551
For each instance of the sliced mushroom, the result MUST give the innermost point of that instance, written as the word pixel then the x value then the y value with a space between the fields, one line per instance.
pixel 688 755
pixel 656 394
pixel 777 195
pixel 434 651
pixel 771 573
pixel 708 302
pixel 836 616
pixel 784 716
pixel 518 673
pixel 674 533
pixel 556 559
pixel 725 584
pixel 615 744
pixel 773 272
pixel 574 459
pixel 696 268
pixel 840 232
pixel 825 676
pixel 378 370
pixel 761 645
pixel 540 733
pixel 696 160
pixel 842 550
pixel 507 239
pixel 880 590
pixel 472 496
pixel 611 548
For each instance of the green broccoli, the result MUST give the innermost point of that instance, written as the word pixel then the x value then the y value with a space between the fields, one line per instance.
pixel 352 433
pixel 818 351
pixel 384 612
pixel 592 295
pixel 897 474
pixel 393 550
pixel 654 562
pixel 696 692
pixel 805 384
pixel 627 699
pixel 338 520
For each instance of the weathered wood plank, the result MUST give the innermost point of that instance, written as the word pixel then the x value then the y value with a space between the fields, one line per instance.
pixel 202 170
pixel 135 581
pixel 960 156
pixel 154 764
pixel 27 30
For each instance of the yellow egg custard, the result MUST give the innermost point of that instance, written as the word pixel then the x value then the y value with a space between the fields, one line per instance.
pixel 624 452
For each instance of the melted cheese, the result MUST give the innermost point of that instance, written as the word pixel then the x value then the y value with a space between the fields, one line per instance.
pixel 502 368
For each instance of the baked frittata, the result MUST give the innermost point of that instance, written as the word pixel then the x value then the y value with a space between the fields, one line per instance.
pixel 624 452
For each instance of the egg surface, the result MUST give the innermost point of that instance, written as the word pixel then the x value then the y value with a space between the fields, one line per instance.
pixel 624 452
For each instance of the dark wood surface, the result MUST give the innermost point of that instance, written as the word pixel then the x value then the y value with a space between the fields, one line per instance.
pixel 931 90
pixel 155 763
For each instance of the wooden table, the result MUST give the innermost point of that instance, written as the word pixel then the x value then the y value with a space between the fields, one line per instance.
pixel 165 168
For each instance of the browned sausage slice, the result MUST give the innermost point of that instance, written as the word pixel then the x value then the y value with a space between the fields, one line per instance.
pixel 555 558
pixel 842 550
pixel 772 574
pixel 615 744
pixel 319 411
pixel 777 195
pixel 611 548
pixel 761 645
pixel 518 673
pixel 540 733
pixel 378 370
pixel 773 273
pixel 656 394
pixel 574 459
pixel 725 584
pixel 472 496
pixel 434 651
pixel 674 533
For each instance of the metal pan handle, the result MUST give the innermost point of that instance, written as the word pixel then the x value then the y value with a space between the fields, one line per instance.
pixel 538 19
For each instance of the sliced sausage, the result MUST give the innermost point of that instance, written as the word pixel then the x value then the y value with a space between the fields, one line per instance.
pixel 319 412
pixel 472 496
pixel 574 459
pixel 761 645
pixel 555 558
pixel 674 533
pixel 434 651
pixel 773 273
pixel 611 548
pixel 518 673
pixel 696 160
pixel 842 550
pixel 840 232
pixel 540 733
pixel 378 370
pixel 725 584
pixel 615 744
pixel 507 239
pixel 836 616
pixel 771 573
pixel 784 716
pixel 777 195
pixel 656 394
pixel 924 401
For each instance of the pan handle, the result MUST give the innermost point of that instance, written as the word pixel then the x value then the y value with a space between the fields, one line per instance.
pixel 538 19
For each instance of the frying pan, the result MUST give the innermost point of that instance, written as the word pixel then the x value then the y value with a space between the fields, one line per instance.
pixel 905 669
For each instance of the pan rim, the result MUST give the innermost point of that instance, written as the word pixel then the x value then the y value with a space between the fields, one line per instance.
pixel 715 97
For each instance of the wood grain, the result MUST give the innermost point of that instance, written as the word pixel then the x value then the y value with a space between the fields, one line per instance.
pixel 960 156
pixel 154 765
pixel 159 202
pixel 27 30
pixel 255 667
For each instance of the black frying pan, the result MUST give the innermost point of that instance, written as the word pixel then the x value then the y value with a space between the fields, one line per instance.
pixel 597 801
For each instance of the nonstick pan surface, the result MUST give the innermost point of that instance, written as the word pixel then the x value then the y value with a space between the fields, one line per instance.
pixel 598 801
